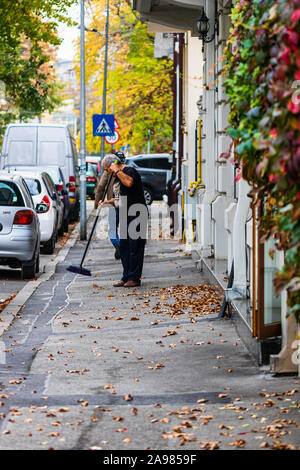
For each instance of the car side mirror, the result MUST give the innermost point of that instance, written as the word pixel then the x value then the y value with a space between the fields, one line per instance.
pixel 54 195
pixel 41 208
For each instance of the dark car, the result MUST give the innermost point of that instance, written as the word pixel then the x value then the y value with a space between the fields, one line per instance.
pixel 155 171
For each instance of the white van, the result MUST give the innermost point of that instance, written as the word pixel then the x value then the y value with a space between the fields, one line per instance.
pixel 43 145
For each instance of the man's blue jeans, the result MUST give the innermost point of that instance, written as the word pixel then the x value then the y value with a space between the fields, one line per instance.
pixel 113 225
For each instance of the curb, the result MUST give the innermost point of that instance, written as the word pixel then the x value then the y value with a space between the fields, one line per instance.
pixel 12 310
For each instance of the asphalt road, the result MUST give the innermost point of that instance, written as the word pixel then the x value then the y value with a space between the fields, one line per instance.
pixel 11 281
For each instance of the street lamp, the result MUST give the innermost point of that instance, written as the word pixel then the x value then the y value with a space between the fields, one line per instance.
pixel 94 30
pixel 203 27
pixel 82 128
pixel 105 76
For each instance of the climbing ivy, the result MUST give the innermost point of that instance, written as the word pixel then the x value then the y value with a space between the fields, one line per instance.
pixel 263 86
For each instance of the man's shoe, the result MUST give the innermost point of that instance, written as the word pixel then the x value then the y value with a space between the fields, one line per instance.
pixel 132 284
pixel 119 284
pixel 117 252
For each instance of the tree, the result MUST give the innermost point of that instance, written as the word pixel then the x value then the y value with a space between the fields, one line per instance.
pixel 28 38
pixel 140 84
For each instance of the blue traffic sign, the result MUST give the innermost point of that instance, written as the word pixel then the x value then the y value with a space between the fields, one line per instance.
pixel 103 124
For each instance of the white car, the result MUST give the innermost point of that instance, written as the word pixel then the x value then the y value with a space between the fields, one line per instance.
pixel 43 192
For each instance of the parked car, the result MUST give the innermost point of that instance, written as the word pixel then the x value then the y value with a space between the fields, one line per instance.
pixel 155 171
pixel 44 145
pixel 19 226
pixel 58 179
pixel 43 191
pixel 91 180
pixel 96 162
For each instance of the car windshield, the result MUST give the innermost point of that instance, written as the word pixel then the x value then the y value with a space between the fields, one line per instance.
pixel 34 186
pixel 90 168
pixel 95 166
pixel 54 173
pixel 10 194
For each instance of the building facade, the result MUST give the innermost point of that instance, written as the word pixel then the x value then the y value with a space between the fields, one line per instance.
pixel 218 214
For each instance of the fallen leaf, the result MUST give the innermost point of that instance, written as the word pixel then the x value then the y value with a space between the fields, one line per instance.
pixel 128 397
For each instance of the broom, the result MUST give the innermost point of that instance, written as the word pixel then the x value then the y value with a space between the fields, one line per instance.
pixel 80 269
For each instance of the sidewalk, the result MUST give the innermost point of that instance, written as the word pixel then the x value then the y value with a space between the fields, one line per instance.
pixel 145 368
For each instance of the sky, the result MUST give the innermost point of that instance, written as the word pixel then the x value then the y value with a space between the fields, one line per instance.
pixel 69 34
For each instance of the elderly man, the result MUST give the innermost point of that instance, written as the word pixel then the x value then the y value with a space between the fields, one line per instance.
pixel 129 197
pixel 113 214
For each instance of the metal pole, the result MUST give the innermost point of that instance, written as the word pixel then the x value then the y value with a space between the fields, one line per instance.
pixel 105 75
pixel 148 147
pixel 82 129
pixel 112 92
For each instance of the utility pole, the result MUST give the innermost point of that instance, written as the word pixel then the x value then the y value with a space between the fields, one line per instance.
pixel 82 128
pixel 148 146
pixel 105 76
pixel 112 92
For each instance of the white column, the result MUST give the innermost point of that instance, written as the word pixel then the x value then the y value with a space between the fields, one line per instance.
pixel 239 288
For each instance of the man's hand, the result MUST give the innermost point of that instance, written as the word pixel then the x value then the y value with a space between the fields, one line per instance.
pixel 110 202
pixel 114 167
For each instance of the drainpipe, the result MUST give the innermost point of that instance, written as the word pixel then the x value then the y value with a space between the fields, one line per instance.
pixel 178 135
pixel 173 176
pixel 174 184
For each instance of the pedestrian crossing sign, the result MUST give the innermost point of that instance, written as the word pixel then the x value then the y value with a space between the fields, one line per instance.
pixel 103 125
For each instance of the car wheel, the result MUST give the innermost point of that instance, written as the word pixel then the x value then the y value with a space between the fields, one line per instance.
pixel 61 229
pixel 148 196
pixel 28 270
pixel 66 224
pixel 37 264
pixel 49 246
pixel 76 212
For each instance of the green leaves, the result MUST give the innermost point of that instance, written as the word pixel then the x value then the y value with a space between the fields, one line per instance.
pixel 263 58
pixel 28 37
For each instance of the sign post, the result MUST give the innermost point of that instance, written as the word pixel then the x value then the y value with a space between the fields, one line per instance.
pixel 112 140
pixel 105 77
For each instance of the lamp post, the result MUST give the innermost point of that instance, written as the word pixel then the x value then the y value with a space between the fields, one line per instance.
pixel 105 76
pixel 82 128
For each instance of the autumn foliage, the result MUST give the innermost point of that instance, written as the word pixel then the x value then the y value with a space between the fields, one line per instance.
pixel 139 86
pixel 28 38
pixel 263 85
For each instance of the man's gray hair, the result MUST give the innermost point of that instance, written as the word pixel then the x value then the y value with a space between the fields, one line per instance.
pixel 111 158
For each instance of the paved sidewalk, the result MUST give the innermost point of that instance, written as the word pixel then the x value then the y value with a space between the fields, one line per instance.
pixel 94 367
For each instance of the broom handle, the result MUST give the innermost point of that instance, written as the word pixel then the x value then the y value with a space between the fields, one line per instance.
pixel 96 219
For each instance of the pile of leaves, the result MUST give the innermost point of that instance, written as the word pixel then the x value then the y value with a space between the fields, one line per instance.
pixel 263 86
pixel 4 303
pixel 198 300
